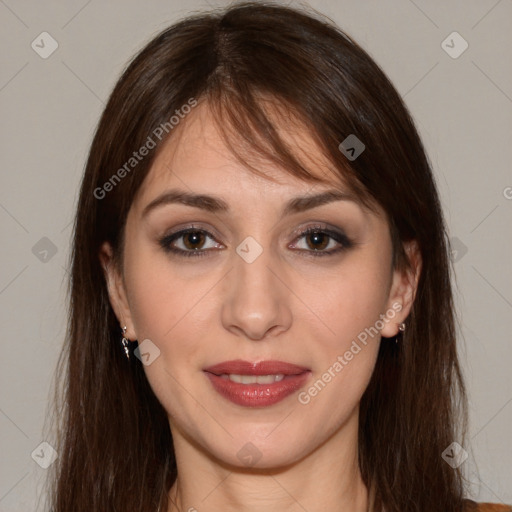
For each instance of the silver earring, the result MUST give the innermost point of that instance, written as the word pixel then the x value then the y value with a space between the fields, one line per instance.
pixel 124 342
pixel 401 328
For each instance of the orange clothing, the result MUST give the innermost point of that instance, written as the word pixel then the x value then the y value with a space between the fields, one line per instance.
pixel 472 506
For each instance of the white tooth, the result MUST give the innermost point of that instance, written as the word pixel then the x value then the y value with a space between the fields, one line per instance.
pixel 265 379
pixel 236 378
pixel 255 379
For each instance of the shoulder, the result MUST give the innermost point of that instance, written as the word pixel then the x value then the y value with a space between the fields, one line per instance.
pixel 472 506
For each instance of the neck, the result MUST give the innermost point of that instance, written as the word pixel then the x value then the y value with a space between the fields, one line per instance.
pixel 326 479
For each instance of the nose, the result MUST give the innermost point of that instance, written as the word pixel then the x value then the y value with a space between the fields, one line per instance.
pixel 256 301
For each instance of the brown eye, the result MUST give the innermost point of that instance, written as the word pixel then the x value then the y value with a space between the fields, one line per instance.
pixel 189 242
pixel 323 242
pixel 319 241
pixel 193 240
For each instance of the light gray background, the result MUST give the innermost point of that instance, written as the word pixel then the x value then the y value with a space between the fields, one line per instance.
pixel 49 108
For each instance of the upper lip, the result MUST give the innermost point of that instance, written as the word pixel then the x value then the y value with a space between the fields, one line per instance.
pixel 240 367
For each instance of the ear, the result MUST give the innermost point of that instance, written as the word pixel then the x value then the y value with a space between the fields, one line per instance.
pixel 116 290
pixel 402 291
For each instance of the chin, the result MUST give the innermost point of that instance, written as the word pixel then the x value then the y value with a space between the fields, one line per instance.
pixel 257 449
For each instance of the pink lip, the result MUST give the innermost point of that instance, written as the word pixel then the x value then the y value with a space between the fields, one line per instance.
pixel 256 395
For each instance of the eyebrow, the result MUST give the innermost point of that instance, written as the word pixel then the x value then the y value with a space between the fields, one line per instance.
pixel 215 204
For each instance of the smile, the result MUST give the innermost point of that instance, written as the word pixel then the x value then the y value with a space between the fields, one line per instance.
pixel 258 384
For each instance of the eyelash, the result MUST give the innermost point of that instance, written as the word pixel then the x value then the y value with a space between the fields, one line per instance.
pixel 346 243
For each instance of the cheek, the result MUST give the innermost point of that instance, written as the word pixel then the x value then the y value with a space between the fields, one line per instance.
pixel 157 295
pixel 351 299
pixel 346 356
pixel 173 309
pixel 349 305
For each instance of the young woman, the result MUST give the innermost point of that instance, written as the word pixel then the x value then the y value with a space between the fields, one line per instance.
pixel 261 316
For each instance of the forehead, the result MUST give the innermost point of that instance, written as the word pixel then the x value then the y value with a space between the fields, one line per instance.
pixel 196 157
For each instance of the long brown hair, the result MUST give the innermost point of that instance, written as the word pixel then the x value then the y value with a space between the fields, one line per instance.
pixel 114 442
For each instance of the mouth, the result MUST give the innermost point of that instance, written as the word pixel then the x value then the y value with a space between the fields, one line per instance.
pixel 256 384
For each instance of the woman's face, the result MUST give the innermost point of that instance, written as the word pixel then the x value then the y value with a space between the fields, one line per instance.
pixel 244 284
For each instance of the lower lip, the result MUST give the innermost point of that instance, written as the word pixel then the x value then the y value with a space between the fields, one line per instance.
pixel 257 395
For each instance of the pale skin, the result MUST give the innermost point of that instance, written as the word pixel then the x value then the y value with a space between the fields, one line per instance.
pixel 286 305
